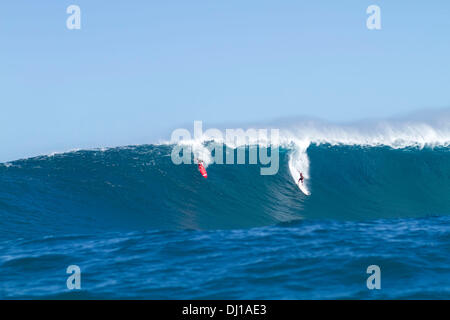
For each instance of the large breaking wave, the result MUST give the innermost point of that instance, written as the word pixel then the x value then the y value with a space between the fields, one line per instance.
pixel 56 210
pixel 138 187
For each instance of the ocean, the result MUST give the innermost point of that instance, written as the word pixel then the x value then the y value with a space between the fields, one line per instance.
pixel 140 227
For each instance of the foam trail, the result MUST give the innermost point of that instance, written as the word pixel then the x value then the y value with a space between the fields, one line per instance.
pixel 299 162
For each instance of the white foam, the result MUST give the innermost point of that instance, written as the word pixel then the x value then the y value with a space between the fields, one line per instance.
pixel 392 133
pixel 299 162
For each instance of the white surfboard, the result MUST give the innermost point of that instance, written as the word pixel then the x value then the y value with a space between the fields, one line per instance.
pixel 295 173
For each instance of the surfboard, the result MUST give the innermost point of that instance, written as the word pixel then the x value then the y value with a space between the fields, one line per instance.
pixel 302 187
pixel 296 176
pixel 202 170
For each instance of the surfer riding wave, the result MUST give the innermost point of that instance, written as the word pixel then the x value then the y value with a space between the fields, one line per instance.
pixel 301 178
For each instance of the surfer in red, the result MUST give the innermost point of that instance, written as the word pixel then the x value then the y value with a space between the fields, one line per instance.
pixel 202 169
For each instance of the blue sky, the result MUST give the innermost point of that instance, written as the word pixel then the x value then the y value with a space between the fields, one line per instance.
pixel 138 68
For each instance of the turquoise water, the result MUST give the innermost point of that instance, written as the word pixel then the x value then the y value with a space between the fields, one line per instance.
pixel 140 227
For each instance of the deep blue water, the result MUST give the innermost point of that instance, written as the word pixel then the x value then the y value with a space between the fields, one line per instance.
pixel 140 227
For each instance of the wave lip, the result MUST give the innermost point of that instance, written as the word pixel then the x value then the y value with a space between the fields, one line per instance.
pixel 417 130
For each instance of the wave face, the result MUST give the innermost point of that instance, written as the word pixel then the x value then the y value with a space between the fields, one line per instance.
pixel 139 188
